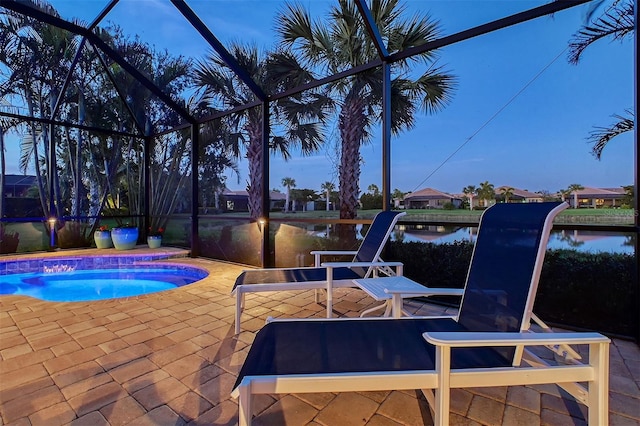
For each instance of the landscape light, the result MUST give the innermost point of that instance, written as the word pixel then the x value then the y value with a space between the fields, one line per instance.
pixel 52 228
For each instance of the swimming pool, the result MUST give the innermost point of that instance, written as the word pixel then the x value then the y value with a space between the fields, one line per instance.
pixel 86 279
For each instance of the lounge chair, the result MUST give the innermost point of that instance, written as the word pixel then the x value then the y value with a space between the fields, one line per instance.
pixel 482 346
pixel 365 263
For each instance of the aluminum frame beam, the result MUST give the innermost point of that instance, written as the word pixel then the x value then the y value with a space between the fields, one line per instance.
pixel 25 9
pixel 231 62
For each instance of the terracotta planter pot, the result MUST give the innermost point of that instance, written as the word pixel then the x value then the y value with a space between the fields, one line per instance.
pixel 124 238
pixel 103 239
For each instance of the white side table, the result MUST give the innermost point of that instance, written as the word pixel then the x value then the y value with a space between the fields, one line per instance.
pixel 394 289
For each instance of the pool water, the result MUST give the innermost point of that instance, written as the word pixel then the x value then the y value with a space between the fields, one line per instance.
pixel 98 284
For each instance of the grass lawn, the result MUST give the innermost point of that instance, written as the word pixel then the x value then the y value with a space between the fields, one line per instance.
pixel 604 216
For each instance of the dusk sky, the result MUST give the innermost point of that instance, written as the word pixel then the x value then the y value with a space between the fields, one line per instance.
pixel 526 109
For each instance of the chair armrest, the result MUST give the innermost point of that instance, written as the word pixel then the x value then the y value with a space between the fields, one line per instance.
pixel 318 253
pixel 479 339
pixel 333 252
pixel 358 264
pixel 428 292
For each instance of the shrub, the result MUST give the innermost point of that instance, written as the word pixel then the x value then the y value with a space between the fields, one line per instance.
pixel 589 290
pixel 370 201
pixel 8 240
pixel 577 289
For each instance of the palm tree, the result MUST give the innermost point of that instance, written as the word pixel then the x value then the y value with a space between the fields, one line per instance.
pixel 487 192
pixel 307 195
pixel 342 43
pixel 615 22
pixel 629 195
pixel 328 188
pixel 37 55
pixel 288 183
pixel 216 156
pixel 373 189
pixel 170 154
pixel 470 191
pixel 300 116
pixel 506 192
pixel 573 189
pixel 6 124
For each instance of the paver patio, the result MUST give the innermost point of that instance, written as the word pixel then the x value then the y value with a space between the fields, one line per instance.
pixel 171 358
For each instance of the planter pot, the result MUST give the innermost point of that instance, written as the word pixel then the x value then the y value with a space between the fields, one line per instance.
pixel 154 241
pixel 103 239
pixel 124 238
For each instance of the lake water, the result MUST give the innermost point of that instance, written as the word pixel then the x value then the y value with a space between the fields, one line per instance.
pixel 592 241
pixel 587 241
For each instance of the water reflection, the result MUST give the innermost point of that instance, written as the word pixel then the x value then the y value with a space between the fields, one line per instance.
pixel 593 241
pixel 588 241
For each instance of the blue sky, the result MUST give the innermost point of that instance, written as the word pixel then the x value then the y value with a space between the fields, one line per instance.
pixel 537 142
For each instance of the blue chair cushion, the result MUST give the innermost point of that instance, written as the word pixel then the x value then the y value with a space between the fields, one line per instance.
pixel 334 346
pixel 293 275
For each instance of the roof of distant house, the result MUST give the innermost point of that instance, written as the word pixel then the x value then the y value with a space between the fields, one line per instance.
pixel 619 190
pixel 608 193
pixel 428 194
pixel 518 193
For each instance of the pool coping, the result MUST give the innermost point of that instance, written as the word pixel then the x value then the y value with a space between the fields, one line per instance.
pixel 68 260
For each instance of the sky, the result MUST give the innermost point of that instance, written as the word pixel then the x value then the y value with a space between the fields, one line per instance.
pixel 519 116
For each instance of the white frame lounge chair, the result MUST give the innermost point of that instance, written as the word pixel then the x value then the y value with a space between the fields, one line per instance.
pixel 365 263
pixel 481 347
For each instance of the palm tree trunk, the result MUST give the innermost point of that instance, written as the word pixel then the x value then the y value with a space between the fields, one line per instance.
pixel 78 187
pixel 286 201
pixel 254 158
pixel 53 168
pixel 351 124
pixel 36 160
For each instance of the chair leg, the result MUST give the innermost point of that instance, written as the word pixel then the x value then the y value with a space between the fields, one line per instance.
pixel 244 405
pixel 318 292
pixel 599 386
pixel 329 292
pixel 239 306
pixel 442 392
pixel 389 308
pixel 375 308
pixel 562 350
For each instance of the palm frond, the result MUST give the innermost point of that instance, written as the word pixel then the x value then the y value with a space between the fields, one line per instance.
pixel 601 136
pixel 279 144
pixel 309 135
pixel 8 123
pixel 294 24
pixel 386 12
pixel 283 71
pixel 417 31
pixel 615 22
pixel 26 152
pixel 437 86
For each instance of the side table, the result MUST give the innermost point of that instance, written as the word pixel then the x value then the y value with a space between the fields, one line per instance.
pixel 395 289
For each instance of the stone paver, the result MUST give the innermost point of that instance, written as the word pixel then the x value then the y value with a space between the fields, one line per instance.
pixel 172 358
